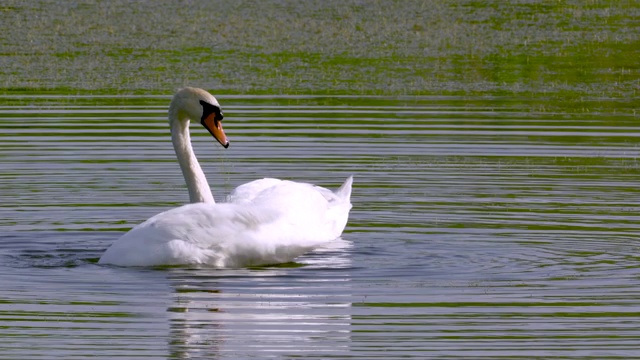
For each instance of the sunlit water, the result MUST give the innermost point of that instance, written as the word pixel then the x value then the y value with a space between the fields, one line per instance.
pixel 480 228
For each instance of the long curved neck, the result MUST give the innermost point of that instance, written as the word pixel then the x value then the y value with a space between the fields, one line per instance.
pixel 194 177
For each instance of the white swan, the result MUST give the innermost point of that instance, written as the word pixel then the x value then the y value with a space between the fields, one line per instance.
pixel 265 221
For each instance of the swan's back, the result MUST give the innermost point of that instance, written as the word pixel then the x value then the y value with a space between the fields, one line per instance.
pixel 248 192
pixel 300 201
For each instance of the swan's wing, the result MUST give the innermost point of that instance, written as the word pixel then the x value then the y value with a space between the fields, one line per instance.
pixel 205 224
pixel 221 235
pixel 300 202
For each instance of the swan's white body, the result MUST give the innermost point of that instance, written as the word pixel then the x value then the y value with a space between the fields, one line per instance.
pixel 266 221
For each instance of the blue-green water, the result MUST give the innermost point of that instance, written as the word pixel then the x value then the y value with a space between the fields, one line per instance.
pixel 481 227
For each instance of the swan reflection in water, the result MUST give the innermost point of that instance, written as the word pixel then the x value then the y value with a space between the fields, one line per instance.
pixel 293 309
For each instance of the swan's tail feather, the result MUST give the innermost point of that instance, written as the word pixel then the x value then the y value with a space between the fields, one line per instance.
pixel 344 192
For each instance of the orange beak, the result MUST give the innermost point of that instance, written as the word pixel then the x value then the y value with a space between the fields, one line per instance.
pixel 214 125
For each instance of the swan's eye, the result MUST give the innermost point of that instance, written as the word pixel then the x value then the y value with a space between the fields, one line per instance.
pixel 208 109
pixel 219 115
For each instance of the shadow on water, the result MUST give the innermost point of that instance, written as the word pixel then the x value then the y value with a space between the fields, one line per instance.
pixel 50 249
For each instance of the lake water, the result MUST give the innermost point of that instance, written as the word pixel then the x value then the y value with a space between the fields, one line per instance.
pixel 482 227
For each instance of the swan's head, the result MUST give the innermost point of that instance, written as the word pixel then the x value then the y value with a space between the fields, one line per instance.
pixel 198 105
